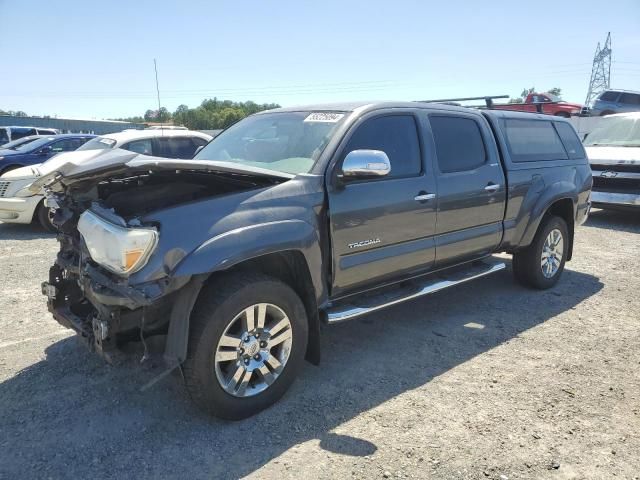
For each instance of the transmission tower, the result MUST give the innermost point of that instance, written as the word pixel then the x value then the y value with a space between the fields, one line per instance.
pixel 600 72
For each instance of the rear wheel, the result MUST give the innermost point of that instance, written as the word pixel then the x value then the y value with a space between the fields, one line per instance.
pixel 541 264
pixel 45 217
pixel 248 339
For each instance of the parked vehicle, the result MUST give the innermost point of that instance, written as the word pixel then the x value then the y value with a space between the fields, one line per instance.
pixel 157 142
pixel 550 105
pixel 19 205
pixel 40 150
pixel 616 101
pixel 614 153
pixel 7 134
pixel 300 216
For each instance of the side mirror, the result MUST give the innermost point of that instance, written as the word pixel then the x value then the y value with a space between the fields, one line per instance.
pixel 46 150
pixel 365 164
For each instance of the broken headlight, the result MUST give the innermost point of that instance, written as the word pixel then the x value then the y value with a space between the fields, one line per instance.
pixel 119 249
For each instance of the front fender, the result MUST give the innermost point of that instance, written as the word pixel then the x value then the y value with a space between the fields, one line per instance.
pixel 556 191
pixel 235 246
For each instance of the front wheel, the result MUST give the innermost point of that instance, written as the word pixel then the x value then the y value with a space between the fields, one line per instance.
pixel 541 264
pixel 247 342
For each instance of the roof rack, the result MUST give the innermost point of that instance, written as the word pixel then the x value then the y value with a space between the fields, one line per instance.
pixel 488 99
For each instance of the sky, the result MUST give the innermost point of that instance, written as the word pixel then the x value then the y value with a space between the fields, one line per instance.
pixel 95 59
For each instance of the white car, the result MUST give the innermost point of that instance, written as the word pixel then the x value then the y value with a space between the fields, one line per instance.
pixel 613 149
pixel 19 205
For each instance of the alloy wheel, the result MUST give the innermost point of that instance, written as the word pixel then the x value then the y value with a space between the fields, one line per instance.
pixel 552 251
pixel 253 350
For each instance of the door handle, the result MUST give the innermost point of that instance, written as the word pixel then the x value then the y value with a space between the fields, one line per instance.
pixel 423 197
pixel 492 187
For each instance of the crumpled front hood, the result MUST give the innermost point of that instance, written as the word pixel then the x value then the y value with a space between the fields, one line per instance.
pixel 78 163
pixel 614 155
pixel 101 165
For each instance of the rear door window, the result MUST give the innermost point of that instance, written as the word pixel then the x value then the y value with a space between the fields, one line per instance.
pixel 572 143
pixel 609 96
pixel 395 135
pixel 139 146
pixel 66 145
pixel 4 136
pixel 533 140
pixel 459 144
pixel 182 147
pixel 630 98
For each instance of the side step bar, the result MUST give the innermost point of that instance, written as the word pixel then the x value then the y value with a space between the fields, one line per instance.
pixel 412 289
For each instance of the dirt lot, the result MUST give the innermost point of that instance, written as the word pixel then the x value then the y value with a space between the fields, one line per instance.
pixel 489 380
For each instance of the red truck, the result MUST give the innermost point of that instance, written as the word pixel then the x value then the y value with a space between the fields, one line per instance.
pixel 550 104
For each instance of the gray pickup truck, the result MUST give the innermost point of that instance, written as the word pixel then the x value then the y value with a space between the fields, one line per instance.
pixel 299 217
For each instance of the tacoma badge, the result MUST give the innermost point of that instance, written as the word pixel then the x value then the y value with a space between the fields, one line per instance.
pixel 364 243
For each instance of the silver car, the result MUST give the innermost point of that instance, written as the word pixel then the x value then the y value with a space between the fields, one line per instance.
pixel 616 101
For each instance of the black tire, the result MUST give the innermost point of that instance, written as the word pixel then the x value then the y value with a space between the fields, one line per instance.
pixel 44 218
pixel 219 303
pixel 526 263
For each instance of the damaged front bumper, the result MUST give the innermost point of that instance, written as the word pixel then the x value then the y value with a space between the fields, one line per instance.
pixel 104 311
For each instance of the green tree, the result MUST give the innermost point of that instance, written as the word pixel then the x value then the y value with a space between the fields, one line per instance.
pixel 555 91
pixel 213 114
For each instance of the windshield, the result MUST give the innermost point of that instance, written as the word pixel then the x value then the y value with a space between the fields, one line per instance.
pixel 616 131
pixel 288 142
pixel 98 143
pixel 35 145
pixel 20 141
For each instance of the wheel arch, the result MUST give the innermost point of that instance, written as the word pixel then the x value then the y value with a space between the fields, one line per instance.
pixel 295 260
pixel 291 268
pixel 564 206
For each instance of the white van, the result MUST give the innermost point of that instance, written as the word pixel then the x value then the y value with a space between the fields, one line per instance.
pixel 8 134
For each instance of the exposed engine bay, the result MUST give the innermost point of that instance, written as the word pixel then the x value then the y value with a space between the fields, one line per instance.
pixel 129 195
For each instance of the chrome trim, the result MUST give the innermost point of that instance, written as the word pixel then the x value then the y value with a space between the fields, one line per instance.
pixel 425 197
pixel 366 163
pixel 632 199
pixel 347 312
pixel 492 188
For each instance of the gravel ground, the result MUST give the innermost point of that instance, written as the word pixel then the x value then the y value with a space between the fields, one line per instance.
pixel 487 380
